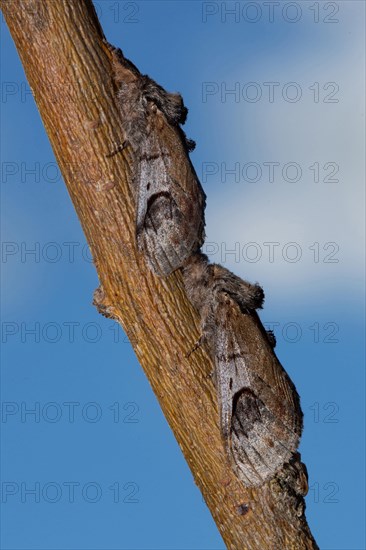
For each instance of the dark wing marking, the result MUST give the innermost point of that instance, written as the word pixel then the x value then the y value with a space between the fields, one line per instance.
pixel 259 409
pixel 170 201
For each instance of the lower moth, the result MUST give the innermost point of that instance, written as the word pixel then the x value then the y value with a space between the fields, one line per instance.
pixel 259 410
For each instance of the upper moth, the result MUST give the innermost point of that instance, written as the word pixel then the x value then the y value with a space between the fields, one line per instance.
pixel 170 201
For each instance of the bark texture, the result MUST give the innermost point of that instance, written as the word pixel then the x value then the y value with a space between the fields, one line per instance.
pixel 69 70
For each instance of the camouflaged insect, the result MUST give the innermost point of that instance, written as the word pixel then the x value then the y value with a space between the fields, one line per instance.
pixel 260 414
pixel 169 199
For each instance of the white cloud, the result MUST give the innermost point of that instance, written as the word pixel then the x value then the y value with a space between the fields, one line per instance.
pixel 305 132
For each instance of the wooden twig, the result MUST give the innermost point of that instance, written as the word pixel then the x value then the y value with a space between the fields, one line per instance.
pixel 69 70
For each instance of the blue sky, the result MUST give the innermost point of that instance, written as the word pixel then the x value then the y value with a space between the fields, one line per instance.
pixel 277 98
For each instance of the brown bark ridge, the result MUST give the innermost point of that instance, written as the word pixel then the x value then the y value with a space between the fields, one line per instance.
pixel 69 71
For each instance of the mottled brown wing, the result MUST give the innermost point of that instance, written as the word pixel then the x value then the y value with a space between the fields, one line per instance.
pixel 170 199
pixel 260 414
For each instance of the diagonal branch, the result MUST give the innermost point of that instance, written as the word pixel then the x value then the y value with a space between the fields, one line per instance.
pixel 69 70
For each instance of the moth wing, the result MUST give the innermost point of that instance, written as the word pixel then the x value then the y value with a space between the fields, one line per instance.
pixel 260 413
pixel 170 200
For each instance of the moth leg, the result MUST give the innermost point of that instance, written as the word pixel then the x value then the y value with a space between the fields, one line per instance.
pixel 197 345
pixel 201 340
pixel 118 149
pixel 207 332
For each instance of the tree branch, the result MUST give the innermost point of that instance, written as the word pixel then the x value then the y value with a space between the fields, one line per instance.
pixel 69 71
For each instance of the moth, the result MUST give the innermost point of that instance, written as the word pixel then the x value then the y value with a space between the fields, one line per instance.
pixel 259 409
pixel 170 201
